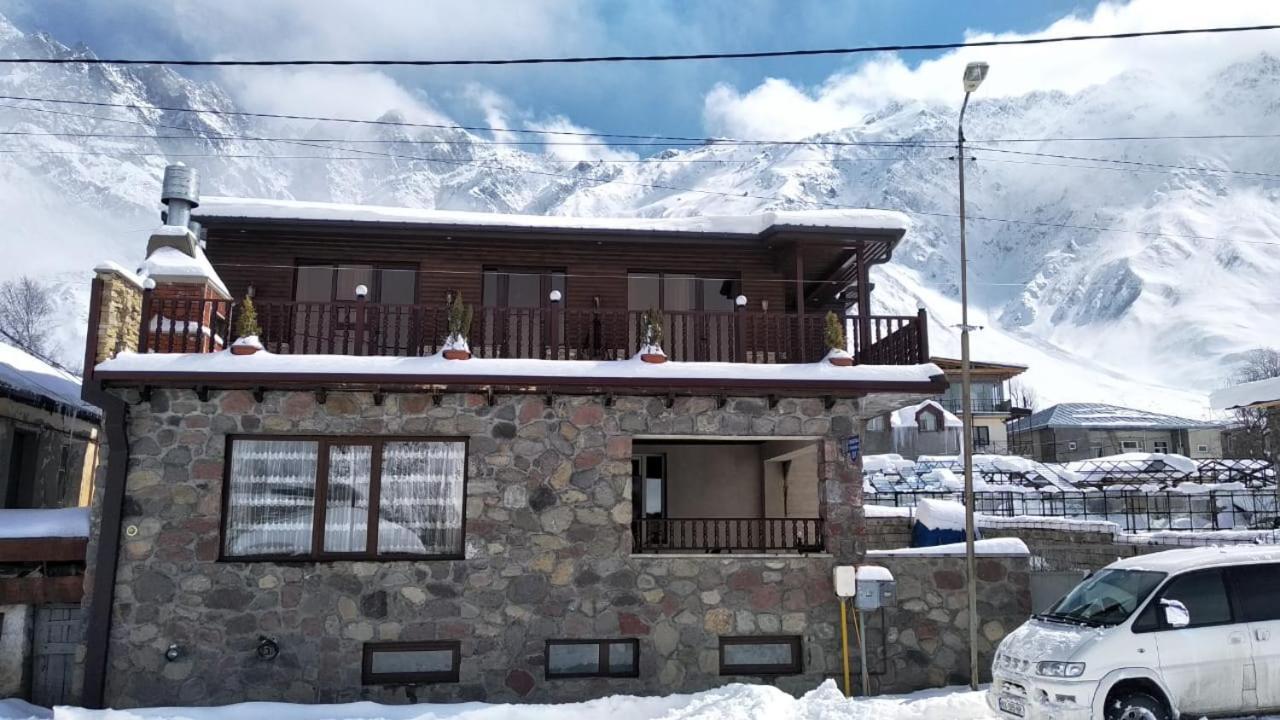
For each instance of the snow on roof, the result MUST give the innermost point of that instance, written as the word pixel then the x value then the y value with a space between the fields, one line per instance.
pixel 906 417
pixel 435 366
pixel 110 266
pixel 34 381
pixel 1259 392
pixel 756 224
pixel 44 522
pixel 170 262
pixel 1097 415
pixel 1201 557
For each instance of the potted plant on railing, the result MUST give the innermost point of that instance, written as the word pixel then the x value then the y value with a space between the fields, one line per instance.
pixel 651 337
pixel 455 345
pixel 837 352
pixel 247 330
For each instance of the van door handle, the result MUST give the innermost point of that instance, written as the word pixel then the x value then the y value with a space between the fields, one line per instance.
pixel 1237 638
pixel 1262 633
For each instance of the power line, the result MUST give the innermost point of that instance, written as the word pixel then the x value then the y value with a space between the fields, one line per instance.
pixel 644 58
pixel 655 138
pixel 1274 176
pixel 718 193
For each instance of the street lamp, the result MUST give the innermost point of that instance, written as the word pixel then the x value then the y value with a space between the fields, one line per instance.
pixel 974 74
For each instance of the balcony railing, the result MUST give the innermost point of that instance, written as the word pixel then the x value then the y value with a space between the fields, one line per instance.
pixel 726 535
pixel 979 405
pixel 364 328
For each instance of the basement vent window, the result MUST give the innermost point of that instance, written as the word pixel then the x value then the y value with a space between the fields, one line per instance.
pixel 1071 445
pixel 777 655
pixel 1202 448
pixel 592 658
pixel 400 663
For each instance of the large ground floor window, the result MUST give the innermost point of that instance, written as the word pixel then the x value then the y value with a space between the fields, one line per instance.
pixel 338 497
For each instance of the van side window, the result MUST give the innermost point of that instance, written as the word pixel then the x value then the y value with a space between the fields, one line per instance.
pixel 1149 620
pixel 1257 589
pixel 1205 596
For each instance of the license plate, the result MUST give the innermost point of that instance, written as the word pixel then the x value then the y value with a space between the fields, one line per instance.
pixel 1012 705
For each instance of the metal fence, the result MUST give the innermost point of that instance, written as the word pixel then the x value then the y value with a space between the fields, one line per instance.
pixel 1133 511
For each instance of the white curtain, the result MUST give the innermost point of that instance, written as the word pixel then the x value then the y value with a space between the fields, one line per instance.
pixel 421 498
pixel 346 520
pixel 271 500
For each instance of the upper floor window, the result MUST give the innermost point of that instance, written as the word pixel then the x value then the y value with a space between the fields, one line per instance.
pixel 675 292
pixel 928 420
pixel 327 282
pixel 329 497
pixel 876 424
pixel 1130 445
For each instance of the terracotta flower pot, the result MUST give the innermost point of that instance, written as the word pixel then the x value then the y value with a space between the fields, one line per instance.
pixel 244 349
pixel 653 358
pixel 841 361
pixel 457 354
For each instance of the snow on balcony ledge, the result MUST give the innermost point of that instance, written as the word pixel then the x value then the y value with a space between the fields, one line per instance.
pixel 435 366
pixel 44 523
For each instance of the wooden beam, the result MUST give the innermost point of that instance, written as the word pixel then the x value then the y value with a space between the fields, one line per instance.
pixel 864 303
pixel 42 590
pixel 799 281
pixel 47 549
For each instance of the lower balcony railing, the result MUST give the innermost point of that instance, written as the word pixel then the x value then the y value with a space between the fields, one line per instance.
pixel 363 328
pixel 726 535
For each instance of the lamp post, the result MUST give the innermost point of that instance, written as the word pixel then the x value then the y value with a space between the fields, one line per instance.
pixel 974 74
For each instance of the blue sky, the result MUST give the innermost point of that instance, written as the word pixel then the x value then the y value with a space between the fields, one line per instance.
pixel 650 98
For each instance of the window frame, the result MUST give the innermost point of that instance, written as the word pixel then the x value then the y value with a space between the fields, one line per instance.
pixel 368 677
pixel 324 442
pixel 1137 446
pixel 375 281
pixel 1236 587
pixel 732 276
pixel 797 655
pixel 981 436
pixel 604 671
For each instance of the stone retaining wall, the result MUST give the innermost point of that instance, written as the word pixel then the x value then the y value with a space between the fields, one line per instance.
pixel 547 555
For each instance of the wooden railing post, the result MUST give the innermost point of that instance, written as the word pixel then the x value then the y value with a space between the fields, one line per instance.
pixel 739 331
pixel 922 332
pixel 361 344
pixel 144 328
pixel 554 324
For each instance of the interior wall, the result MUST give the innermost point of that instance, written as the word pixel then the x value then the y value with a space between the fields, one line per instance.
pixel 708 480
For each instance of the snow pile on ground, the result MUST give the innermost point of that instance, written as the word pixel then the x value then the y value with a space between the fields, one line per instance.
pixel 44 522
pixel 731 702
pixel 15 709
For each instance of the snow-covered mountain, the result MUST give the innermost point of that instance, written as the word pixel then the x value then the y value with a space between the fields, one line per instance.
pixel 1152 319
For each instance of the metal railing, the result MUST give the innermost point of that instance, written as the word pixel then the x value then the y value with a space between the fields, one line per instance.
pixel 1133 511
pixel 726 535
pixel 364 328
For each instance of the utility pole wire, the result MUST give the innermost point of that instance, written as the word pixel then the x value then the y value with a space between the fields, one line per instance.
pixel 641 58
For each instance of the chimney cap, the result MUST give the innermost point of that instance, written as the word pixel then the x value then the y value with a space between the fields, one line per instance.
pixel 180 183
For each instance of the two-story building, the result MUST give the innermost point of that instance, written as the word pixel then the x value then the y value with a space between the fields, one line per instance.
pixel 346 513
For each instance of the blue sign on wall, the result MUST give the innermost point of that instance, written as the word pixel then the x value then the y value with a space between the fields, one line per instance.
pixel 855 447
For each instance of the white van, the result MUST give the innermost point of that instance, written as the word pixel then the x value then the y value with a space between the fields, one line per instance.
pixel 1192 632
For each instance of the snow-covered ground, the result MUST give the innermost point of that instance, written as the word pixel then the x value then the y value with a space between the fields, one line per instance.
pixel 731 702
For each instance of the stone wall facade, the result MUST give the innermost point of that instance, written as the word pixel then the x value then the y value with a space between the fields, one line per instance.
pixel 924 641
pixel 548 556
pixel 120 315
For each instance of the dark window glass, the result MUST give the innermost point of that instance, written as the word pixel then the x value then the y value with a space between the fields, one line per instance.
pixel 411 662
pixel 592 658
pixel 1258 589
pixel 760 655
pixel 1205 596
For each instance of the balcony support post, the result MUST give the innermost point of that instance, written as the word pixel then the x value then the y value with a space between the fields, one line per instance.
pixel 802 347
pixel 863 343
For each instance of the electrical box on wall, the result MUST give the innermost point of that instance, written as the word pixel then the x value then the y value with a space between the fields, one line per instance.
pixel 845 580
pixel 876 588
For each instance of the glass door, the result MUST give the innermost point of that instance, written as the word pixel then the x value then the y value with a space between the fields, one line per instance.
pixel 517 305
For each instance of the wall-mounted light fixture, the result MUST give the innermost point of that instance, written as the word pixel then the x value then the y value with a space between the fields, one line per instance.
pixel 556 296
pixel 362 292
pixel 268 648
pixel 173 653
pixel 740 301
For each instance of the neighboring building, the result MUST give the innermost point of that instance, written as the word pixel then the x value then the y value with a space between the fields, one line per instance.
pixel 48 435
pixel 48 455
pixel 1079 431
pixel 925 428
pixel 992 404
pixel 347 513
pixel 1262 396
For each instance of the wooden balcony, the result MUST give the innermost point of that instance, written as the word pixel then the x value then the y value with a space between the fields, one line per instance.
pixel 365 328
pixel 726 535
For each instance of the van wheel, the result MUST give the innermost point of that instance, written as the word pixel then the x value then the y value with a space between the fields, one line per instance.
pixel 1136 705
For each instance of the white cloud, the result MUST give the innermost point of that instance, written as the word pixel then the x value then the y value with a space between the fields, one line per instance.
pixel 777 108
pixel 561 124
pixel 333 92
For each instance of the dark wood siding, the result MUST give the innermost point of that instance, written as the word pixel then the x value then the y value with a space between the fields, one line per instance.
pixel 266 259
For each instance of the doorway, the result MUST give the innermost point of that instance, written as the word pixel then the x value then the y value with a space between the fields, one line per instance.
pixel 53 659
pixel 325 308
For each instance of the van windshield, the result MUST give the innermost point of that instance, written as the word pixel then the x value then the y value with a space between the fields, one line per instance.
pixel 1105 598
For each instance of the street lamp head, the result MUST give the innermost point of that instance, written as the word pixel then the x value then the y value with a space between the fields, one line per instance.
pixel 974 74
